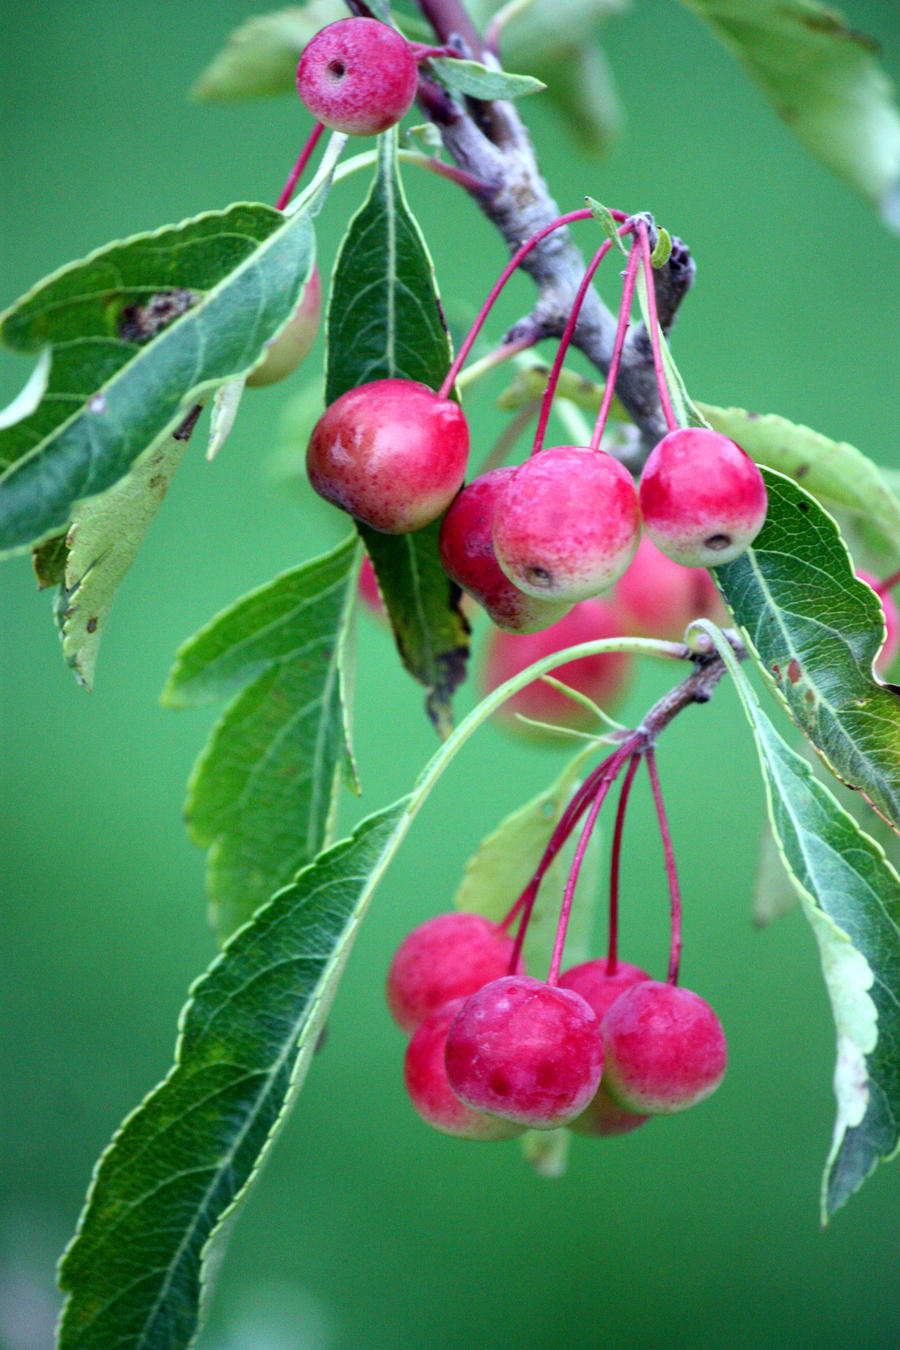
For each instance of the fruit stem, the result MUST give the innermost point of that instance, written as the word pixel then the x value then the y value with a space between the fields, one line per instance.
pixel 882 587
pixel 504 352
pixel 671 874
pixel 659 371
pixel 634 258
pixel 296 171
pixel 602 791
pixel 615 855
pixel 564 341
pixel 583 213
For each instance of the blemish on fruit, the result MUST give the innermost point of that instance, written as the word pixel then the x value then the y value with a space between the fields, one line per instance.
pixel 793 671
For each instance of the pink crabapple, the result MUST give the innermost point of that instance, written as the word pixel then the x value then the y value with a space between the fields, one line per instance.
pixel 425 1077
pixel 293 343
pixel 358 76
pixel 660 597
pixel 703 500
pixel 567 523
pixel 891 642
pixel 602 1115
pixel 601 678
pixel 392 453
pixel 665 1048
pixel 467 555
pixel 447 956
pixel 525 1050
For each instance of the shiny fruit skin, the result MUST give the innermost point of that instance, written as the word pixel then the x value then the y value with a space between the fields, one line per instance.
pixel 391 453
pixel 358 76
pixel 293 343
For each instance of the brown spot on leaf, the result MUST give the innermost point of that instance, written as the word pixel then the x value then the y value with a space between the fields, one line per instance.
pixel 802 469
pixel 793 671
pixel 776 671
pixel 91 624
pixel 140 323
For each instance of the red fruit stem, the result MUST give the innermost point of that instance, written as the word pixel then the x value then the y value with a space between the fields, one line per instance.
pixel 422 52
pixel 296 171
pixel 553 379
pixel 615 855
pixel 672 875
pixel 665 400
pixel 628 284
pixel 882 587
pixel 584 213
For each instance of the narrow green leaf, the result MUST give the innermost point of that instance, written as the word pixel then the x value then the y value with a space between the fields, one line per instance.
pixel 506 860
pixel 182 1160
pixel 815 631
pixel 180 1163
pixel 851 896
pixel 834 472
pixel 385 321
pixel 260 57
pixel 473 80
pixel 101 544
pixel 662 249
pixel 608 222
pixel 824 81
pixel 261 793
pixel 140 332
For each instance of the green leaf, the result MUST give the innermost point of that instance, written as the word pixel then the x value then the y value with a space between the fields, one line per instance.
pixel 385 321
pixel 140 332
pixel 833 471
pixel 260 57
pixel 608 222
pixel 101 544
pixel 473 80
pixel 181 1162
pixel 507 858
pixel 851 896
pixel 183 1159
pixel 261 794
pixel 823 80
pixel 815 631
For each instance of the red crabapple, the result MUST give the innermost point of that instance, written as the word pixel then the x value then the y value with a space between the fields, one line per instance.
pixel 358 76
pixel 425 1076
pixel 703 499
pixel 392 453
pixel 602 678
pixel 526 1051
pixel 288 349
pixel 661 597
pixel 447 956
pixel 602 1115
pixel 665 1048
pixel 467 554
pixel 567 523
pixel 891 642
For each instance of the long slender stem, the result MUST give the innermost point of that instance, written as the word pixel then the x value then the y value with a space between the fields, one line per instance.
pixel 582 214
pixel 564 341
pixel 671 874
pixel 882 587
pixel 634 258
pixel 659 371
pixel 296 171
pixel 615 856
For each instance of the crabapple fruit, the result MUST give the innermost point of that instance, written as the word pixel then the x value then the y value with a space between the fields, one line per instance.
pixel 467 554
pixel 393 453
pixel 567 523
pixel 891 622
pixel 703 500
pixel 602 1115
pixel 358 76
pixel 425 1077
pixel 601 678
pixel 525 1050
pixel 665 1048
pixel 450 955
pixel 288 349
pixel 661 597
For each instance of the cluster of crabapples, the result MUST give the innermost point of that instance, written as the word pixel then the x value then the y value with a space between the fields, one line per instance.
pixel 493 1051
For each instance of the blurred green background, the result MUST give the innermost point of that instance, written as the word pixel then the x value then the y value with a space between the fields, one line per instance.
pixel 366 1228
